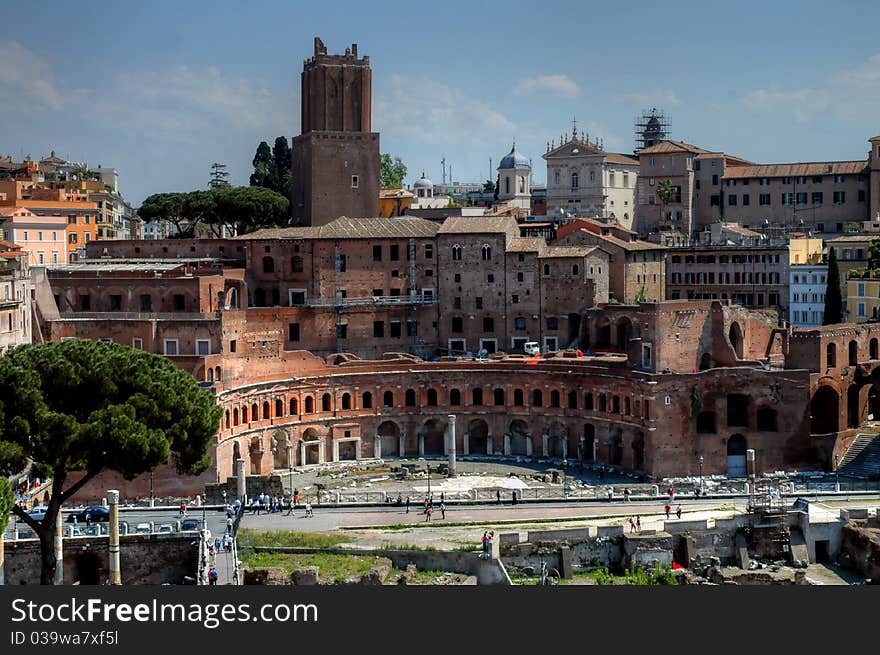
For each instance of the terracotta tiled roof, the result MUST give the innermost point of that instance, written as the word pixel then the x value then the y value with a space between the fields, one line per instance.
pixel 352 228
pixel 619 158
pixel 526 244
pixel 804 169
pixel 855 238
pixel 396 193
pixel 479 225
pixel 671 146
pixel 568 251
pixel 744 231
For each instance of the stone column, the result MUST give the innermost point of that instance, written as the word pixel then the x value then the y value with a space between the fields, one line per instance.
pixel 240 482
pixel 357 449
pixel 466 446
pixel 59 551
pixel 289 455
pixel 377 447
pixel 507 443
pixel 595 447
pixel 529 445
pixel 451 460
pixel 545 446
pixel 489 446
pixel 421 444
pixel 302 453
pixel 335 451
pixel 402 444
pixel 113 502
pixel 564 446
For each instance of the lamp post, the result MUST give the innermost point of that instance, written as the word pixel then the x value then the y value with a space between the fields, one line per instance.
pixel 428 467
pixel 152 500
pixel 836 473
pixel 701 475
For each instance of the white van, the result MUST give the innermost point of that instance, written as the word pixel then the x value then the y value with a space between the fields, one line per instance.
pixel 532 348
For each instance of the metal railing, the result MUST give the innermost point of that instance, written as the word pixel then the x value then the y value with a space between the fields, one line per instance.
pixel 139 316
pixel 369 301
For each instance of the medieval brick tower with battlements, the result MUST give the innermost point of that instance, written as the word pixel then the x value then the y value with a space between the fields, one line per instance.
pixel 336 157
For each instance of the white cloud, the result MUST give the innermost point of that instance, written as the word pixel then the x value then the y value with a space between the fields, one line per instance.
pixel 27 81
pixel 421 110
pixel 852 93
pixel 646 99
pixel 561 85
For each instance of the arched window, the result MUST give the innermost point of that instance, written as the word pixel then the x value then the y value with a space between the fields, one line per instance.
pixel 625 217
pixel 227 419
pixel 537 398
pixel 477 397
pixel 346 401
pixel 872 346
pixel 575 269
pixel 217 372
pixel 268 265
pixel 279 408
pixel 232 298
pixel 831 355
pixel 556 177
pixel 294 407
pixel 409 398
pixel 367 400
pixel 546 269
pixel 296 263
pixel 456 252
pixel 309 405
pixel 254 412
pixel 853 353
pixel 574 180
pixel 235 416
pixel 266 410
pixel 388 399
pixel 325 402
pixel 486 253
pixel 627 406
pixel 554 398
pixel 244 415
pixel 432 397
pixel 499 396
pixel 522 184
pixel 603 403
pixel 615 404
pixel 518 400
pixel 455 397
pixel 506 184
pixel 210 374
pixel 572 400
pixel 588 401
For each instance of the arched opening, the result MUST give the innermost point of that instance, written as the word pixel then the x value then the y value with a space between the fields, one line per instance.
pixel 603 333
pixel 236 455
pixel 309 405
pixel 554 399
pixel 705 362
pixel 244 415
pixel 477 397
pixel 853 352
pixel 872 349
pixel 279 407
pixel 454 397
pixel 478 437
pixel 874 402
pixel 325 402
pixel 217 371
pixel 615 447
pixel 255 416
pixel 519 438
pixel 312 446
pixel 831 355
pixel 268 265
pixel 87 568
pixel 294 407
pixel 409 398
pixel 232 299
pixel 627 406
pixel 736 339
pixel 367 400
pixel 706 423
pixel 853 408
pixel 256 453
pixel 638 451
pixel 388 399
pixel 432 397
pixel 767 419
pixel 260 297
pixel 389 438
pixel 825 411
pixel 235 416
pixel 210 374
pixel 346 401
pixel 434 433
pixel 588 450
pixel 603 402
pixel 624 332
pixel 588 401
pixel 227 419
pixel 266 414
pixel 556 437
pixel 537 398
pixel 498 397
pixel 280 450
pixel 615 404
pixel 572 400
pixel 736 456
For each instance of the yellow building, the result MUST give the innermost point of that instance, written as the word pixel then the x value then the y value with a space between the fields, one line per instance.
pixel 395 202
pixel 862 295
pixel 804 251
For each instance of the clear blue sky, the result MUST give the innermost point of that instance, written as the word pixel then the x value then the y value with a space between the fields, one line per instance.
pixel 160 90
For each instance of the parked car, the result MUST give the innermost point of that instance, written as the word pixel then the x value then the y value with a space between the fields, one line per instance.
pixel 532 348
pixel 38 513
pixel 96 513
pixel 166 528
pixel 190 524
pixel 142 528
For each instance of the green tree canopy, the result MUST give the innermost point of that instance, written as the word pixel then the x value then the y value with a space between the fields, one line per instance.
pixel 833 300
pixel 219 176
pixel 665 190
pixel 391 171
pixel 86 406
pixel 166 207
pixel 7 500
pixel 273 167
pixel 264 167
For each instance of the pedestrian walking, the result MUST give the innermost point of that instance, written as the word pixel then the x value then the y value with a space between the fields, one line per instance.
pixel 442 497
pixel 498 495
pixel 678 512
pixel 632 524
pixel 183 510
pixel 626 494
pixel 229 511
pixel 638 523
pixel 428 513
pixel 666 509
pixel 212 577
pixel 485 541
pixel 610 494
pixel 513 497
pixel 407 504
pixel 442 509
pixel 309 509
pixel 296 497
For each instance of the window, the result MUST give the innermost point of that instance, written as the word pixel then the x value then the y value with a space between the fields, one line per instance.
pixel 731 199
pixel 296 263
pixel 366 400
pixel 764 199
pixel 115 302
pixel 546 269
pixel 715 200
pixel 396 331
pixel 537 398
pixel 520 323
pixel 456 253
pixel 490 279
pixel 498 397
pixel 388 399
pixel 486 253
pixel 746 199
pixel 85 303
pixel 839 197
pixel 429 251
pixel 394 253
pixel 456 302
pixel 170 346
pixel 354 181
pixel 478 302
pixel 514 299
pixel 477 397
pixel 520 277
pixel 715 179
pixel 137 343
pixel 488 324
pixel 342 330
pixel 377 253
pixel 268 265
pixel 409 398
pixel 293 331
pixel 232 345
pixel 203 347
pixel 457 324
pixel 340 263
pixel 816 198
pixel 552 323
pixel 432 398
pixel 457 277
pixel 146 302
pixel 378 329
pixel 574 181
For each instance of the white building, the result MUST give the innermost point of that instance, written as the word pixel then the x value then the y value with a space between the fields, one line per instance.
pixel 806 301
pixel 584 180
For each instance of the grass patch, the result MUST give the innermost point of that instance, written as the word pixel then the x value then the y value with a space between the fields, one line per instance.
pixel 390 546
pixel 249 538
pixel 331 567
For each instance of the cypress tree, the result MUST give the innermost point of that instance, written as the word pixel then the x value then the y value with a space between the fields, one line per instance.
pixel 833 300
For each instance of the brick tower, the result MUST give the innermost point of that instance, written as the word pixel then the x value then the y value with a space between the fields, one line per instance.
pixel 336 158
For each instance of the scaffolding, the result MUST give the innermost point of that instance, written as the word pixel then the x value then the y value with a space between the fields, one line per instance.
pixel 768 516
pixel 650 129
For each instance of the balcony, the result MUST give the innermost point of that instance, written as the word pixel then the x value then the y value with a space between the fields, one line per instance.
pixel 9 303
pixel 373 301
pixel 137 316
pixel 864 274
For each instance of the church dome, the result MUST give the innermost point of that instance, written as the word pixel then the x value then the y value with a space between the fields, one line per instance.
pixel 514 159
pixel 423 183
